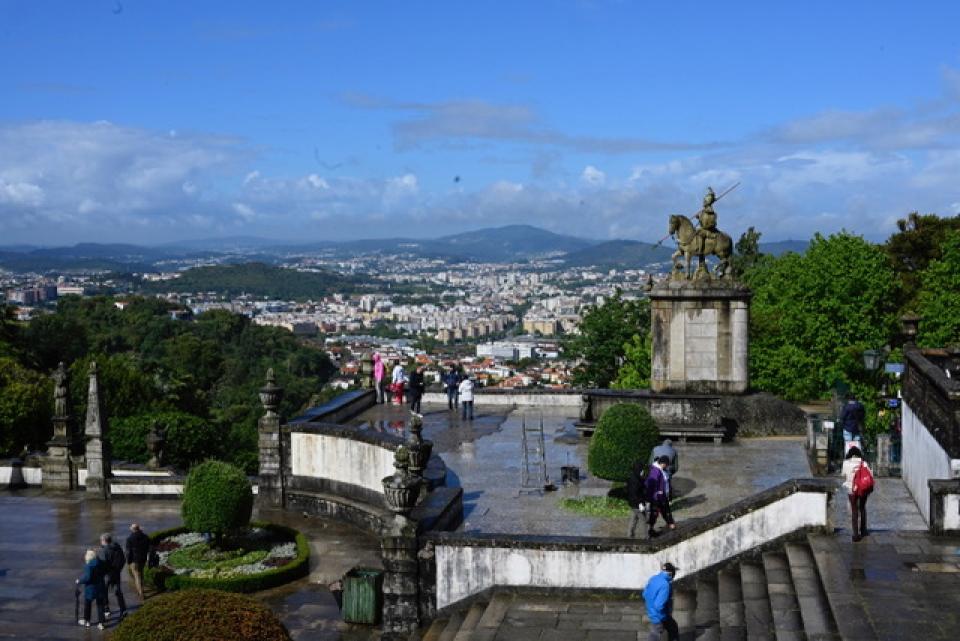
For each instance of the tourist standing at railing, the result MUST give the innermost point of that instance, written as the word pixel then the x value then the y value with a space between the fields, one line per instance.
pixel 451 381
pixel 466 398
pixel 417 388
pixel 658 597
pixel 397 380
pixel 379 377
pixel 858 482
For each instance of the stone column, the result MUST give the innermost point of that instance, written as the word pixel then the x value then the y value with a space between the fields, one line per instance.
pixel 59 469
pixel 98 450
pixel 270 484
pixel 366 371
pixel 398 548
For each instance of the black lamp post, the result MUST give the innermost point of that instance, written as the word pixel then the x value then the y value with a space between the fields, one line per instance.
pixel 871 359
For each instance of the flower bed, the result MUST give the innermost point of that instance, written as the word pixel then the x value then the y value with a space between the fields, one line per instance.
pixel 265 556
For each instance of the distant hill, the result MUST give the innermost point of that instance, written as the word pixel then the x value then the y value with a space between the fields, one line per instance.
pixel 783 246
pixel 619 253
pixel 257 279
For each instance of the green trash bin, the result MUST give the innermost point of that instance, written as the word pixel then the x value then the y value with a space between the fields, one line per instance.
pixel 363 595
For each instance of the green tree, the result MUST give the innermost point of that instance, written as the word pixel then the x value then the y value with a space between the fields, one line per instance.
pixel 635 371
pixel 189 439
pixel 604 331
pixel 25 407
pixel 217 498
pixel 813 315
pixel 918 243
pixel 938 300
pixel 625 433
pixel 747 253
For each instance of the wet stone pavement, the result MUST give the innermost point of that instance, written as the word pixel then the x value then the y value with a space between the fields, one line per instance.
pixel 484 457
pixel 43 538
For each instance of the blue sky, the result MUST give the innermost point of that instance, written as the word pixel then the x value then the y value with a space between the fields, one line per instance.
pixel 156 121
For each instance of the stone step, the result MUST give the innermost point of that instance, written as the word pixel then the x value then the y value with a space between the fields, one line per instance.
pixel 493 614
pixel 707 614
pixel 849 615
pixel 787 623
pixel 756 602
pixel 452 627
pixel 434 631
pixel 470 622
pixel 818 623
pixel 730 596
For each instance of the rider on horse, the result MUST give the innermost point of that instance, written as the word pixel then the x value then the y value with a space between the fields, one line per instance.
pixel 706 217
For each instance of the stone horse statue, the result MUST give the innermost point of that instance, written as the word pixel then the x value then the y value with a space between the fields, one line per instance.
pixel 701 243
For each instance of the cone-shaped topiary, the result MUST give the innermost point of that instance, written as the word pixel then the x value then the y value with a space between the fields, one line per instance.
pixel 625 433
pixel 217 498
pixel 201 615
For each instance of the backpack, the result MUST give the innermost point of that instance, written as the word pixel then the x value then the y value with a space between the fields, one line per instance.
pixel 117 560
pixel 862 480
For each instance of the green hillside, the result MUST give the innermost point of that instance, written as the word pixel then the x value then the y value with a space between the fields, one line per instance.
pixel 258 279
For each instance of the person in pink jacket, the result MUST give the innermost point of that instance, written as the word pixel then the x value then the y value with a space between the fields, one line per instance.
pixel 379 376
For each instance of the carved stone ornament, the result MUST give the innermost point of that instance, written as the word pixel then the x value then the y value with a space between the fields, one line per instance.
pixel 401 489
pixel 271 394
pixel 420 449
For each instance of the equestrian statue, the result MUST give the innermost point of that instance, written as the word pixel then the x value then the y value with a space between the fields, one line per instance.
pixel 701 241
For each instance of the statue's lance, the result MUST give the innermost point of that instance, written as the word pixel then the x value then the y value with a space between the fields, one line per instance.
pixel 735 185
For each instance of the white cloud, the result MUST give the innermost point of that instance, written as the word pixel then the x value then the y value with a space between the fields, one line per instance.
pixel 593 176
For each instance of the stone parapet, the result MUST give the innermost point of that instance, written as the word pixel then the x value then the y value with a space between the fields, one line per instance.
pixel 944 507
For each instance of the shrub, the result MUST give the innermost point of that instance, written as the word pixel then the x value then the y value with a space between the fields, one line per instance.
pixel 217 498
pixel 189 438
pixel 624 433
pixel 296 569
pixel 201 615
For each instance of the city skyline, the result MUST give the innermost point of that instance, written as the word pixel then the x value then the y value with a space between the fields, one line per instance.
pixel 141 123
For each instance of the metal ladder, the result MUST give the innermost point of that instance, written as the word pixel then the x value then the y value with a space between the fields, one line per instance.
pixel 534 474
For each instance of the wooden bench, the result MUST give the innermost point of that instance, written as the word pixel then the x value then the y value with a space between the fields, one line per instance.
pixel 680 432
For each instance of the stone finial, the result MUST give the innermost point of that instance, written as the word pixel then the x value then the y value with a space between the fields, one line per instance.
pixel 271 394
pixel 401 489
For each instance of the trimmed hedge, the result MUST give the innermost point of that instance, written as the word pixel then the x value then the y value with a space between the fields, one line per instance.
pixel 201 615
pixel 625 433
pixel 217 498
pixel 296 569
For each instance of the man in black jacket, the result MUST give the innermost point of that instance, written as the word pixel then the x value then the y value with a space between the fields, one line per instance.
pixel 111 555
pixel 138 549
pixel 417 387
pixel 636 497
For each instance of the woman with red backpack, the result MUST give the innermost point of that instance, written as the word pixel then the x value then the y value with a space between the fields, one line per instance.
pixel 858 482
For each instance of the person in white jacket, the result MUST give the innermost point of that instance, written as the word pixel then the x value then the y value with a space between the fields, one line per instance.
pixel 466 398
pixel 858 502
pixel 397 380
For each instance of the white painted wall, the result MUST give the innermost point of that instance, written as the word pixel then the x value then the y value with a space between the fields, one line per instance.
pixel 951 512
pixel 146 491
pixel 340 459
pixel 31 475
pixel 922 459
pixel 466 570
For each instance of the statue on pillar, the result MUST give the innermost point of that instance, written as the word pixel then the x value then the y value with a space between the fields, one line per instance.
pixel 701 241
pixel 60 390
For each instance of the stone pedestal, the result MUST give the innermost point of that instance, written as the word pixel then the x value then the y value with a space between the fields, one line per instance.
pixel 700 334
pixel 401 579
pixel 59 467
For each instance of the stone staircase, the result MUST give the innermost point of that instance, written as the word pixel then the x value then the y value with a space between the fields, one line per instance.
pixel 795 592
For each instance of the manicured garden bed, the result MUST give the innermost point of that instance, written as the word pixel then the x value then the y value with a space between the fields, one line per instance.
pixel 265 555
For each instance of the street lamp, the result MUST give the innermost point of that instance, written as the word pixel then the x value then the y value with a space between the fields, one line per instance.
pixel 871 359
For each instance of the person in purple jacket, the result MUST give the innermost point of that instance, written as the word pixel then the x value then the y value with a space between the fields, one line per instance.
pixel 658 493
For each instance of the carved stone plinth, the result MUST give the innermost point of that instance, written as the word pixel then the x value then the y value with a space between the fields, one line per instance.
pixel 700 337
pixel 270 490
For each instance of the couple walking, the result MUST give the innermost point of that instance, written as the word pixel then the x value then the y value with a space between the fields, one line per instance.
pixel 649 491
pixel 102 571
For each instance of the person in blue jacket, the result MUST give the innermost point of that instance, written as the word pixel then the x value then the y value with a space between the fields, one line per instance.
pixel 658 595
pixel 93 588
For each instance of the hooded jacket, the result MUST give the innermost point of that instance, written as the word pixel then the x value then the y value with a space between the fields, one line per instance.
pixel 658 595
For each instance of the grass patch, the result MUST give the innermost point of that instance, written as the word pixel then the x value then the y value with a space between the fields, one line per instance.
pixel 202 557
pixel 605 506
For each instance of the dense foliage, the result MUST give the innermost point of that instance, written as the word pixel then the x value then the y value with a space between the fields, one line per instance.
pixel 188 439
pixel 605 330
pixel 25 403
pixel 938 301
pixel 150 366
pixel 258 279
pixel 217 498
pixel 201 615
pixel 299 567
pixel 625 433
pixel 813 315
pixel 634 373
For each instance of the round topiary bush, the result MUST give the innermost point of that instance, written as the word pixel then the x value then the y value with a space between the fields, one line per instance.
pixel 201 615
pixel 625 433
pixel 217 498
